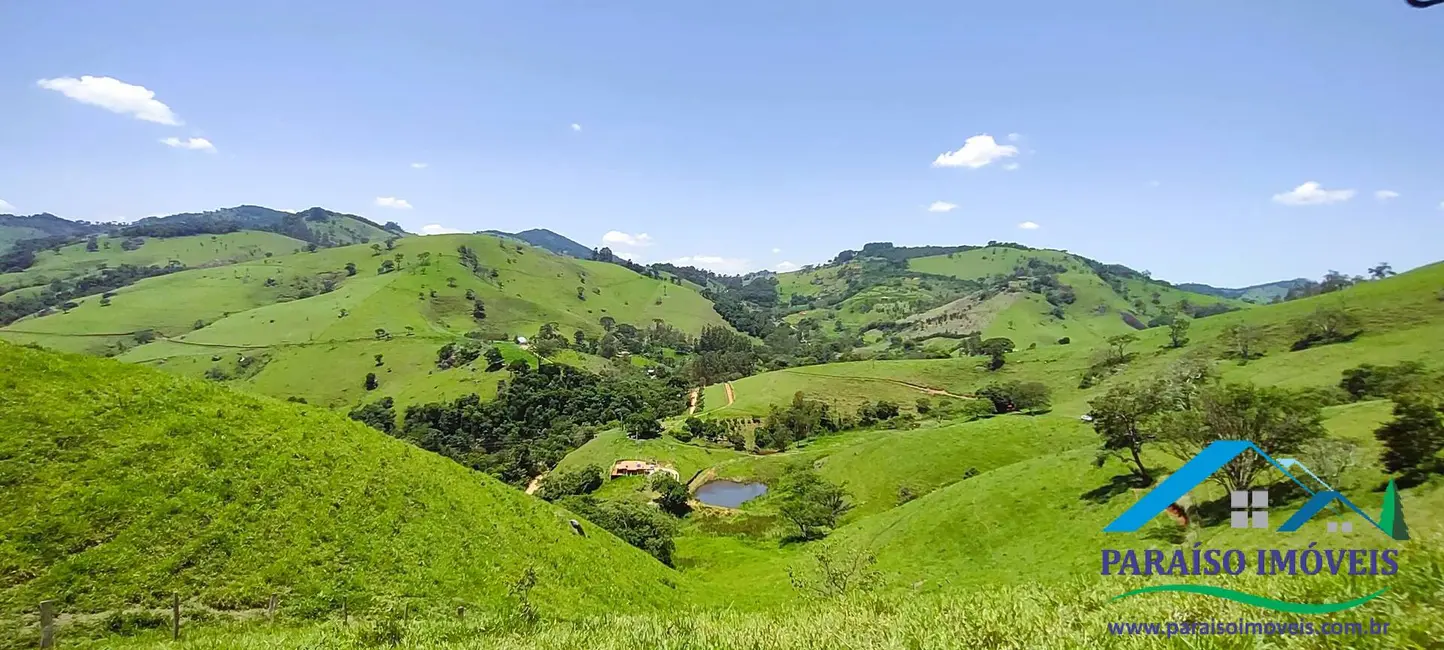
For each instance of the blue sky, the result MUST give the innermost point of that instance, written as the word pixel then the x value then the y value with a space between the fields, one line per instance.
pixel 1169 136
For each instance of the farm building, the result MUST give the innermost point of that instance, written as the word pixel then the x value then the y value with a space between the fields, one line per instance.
pixel 641 467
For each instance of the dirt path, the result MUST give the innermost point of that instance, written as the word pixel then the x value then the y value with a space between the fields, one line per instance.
pixel 535 484
pixel 730 397
pixel 693 408
pixel 917 387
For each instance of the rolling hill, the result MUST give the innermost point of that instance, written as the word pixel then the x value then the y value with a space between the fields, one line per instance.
pixel 1258 293
pixel 15 228
pixel 299 325
pixel 124 485
pixel 928 295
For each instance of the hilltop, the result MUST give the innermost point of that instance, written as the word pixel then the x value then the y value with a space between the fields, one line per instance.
pixel 124 485
pixel 15 228
pixel 543 238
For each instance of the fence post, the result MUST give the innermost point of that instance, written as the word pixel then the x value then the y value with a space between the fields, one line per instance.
pixel 461 611
pixel 47 624
pixel 345 616
pixel 271 608
pixel 175 617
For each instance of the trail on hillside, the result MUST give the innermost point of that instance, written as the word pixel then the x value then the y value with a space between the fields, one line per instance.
pixel 693 408
pixel 730 397
pixel 535 483
pixel 918 387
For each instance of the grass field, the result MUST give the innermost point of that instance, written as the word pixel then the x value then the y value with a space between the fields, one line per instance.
pixel 124 485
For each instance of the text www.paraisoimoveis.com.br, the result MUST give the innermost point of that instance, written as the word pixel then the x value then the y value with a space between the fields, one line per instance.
pixel 1216 628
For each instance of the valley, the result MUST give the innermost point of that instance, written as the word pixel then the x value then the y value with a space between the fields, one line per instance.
pixel 384 433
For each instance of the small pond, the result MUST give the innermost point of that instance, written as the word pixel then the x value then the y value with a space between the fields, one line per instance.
pixel 729 494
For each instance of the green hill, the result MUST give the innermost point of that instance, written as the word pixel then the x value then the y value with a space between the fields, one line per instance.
pixel 543 238
pixel 310 330
pixel 17 228
pixel 77 259
pixel 124 485
pixel 929 295
pixel 1258 293
pixel 315 225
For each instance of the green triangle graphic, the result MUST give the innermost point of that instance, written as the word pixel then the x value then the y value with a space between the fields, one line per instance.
pixel 1391 520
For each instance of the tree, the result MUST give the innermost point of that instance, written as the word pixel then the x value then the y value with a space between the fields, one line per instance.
pixel 1278 421
pixel 379 415
pixel 493 358
pixel 311 247
pixel 398 257
pixel 1368 380
pixel 451 282
pixel 608 323
pixel 371 381
pixel 583 480
pixel 638 524
pixel 810 502
pixel 1242 340
pixel 1013 396
pixel 350 268
pixel 581 293
pixel 837 572
pixel 1178 330
pixel 390 243
pixel 91 245
pixel 1330 458
pixel 1383 270
pixel 995 349
pixel 1118 347
pixel 424 258
pixel 386 267
pixel 478 310
pixel 672 496
pixel 471 294
pixel 642 425
pixel 1325 325
pixel 1413 438
pixel 376 249
pixel 379 363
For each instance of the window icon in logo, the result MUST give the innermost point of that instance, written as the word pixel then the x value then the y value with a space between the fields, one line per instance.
pixel 1249 509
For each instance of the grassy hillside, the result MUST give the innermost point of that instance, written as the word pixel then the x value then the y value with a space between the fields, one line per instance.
pixel 316 344
pixel 15 228
pixel 124 485
pixel 192 251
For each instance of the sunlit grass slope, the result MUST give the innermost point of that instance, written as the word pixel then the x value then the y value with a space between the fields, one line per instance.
pixel 123 485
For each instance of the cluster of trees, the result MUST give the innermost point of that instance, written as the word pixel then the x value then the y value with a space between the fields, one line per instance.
pixel 536 419
pixel 1017 396
pixel 1186 409
pixel 799 420
pixel 453 355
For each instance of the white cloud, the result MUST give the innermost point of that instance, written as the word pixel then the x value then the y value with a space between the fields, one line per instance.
pixel 576 127
pixel 776 251
pixel 438 229
pixel 393 202
pixel 6 206
pixel 1028 225
pixel 419 165
pixel 630 256
pixel 113 95
pixel 717 264
pixel 1385 195
pixel 783 267
pixel 942 206
pixel 619 238
pixel 1012 167
pixel 195 144
pixel 1014 137
pixel 1311 193
pixel 977 151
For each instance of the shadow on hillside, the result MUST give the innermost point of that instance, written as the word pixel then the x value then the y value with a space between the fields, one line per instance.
pixel 1118 485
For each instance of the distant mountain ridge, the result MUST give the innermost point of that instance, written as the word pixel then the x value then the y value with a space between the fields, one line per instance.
pixel 1258 293
pixel 543 238
pixel 314 225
